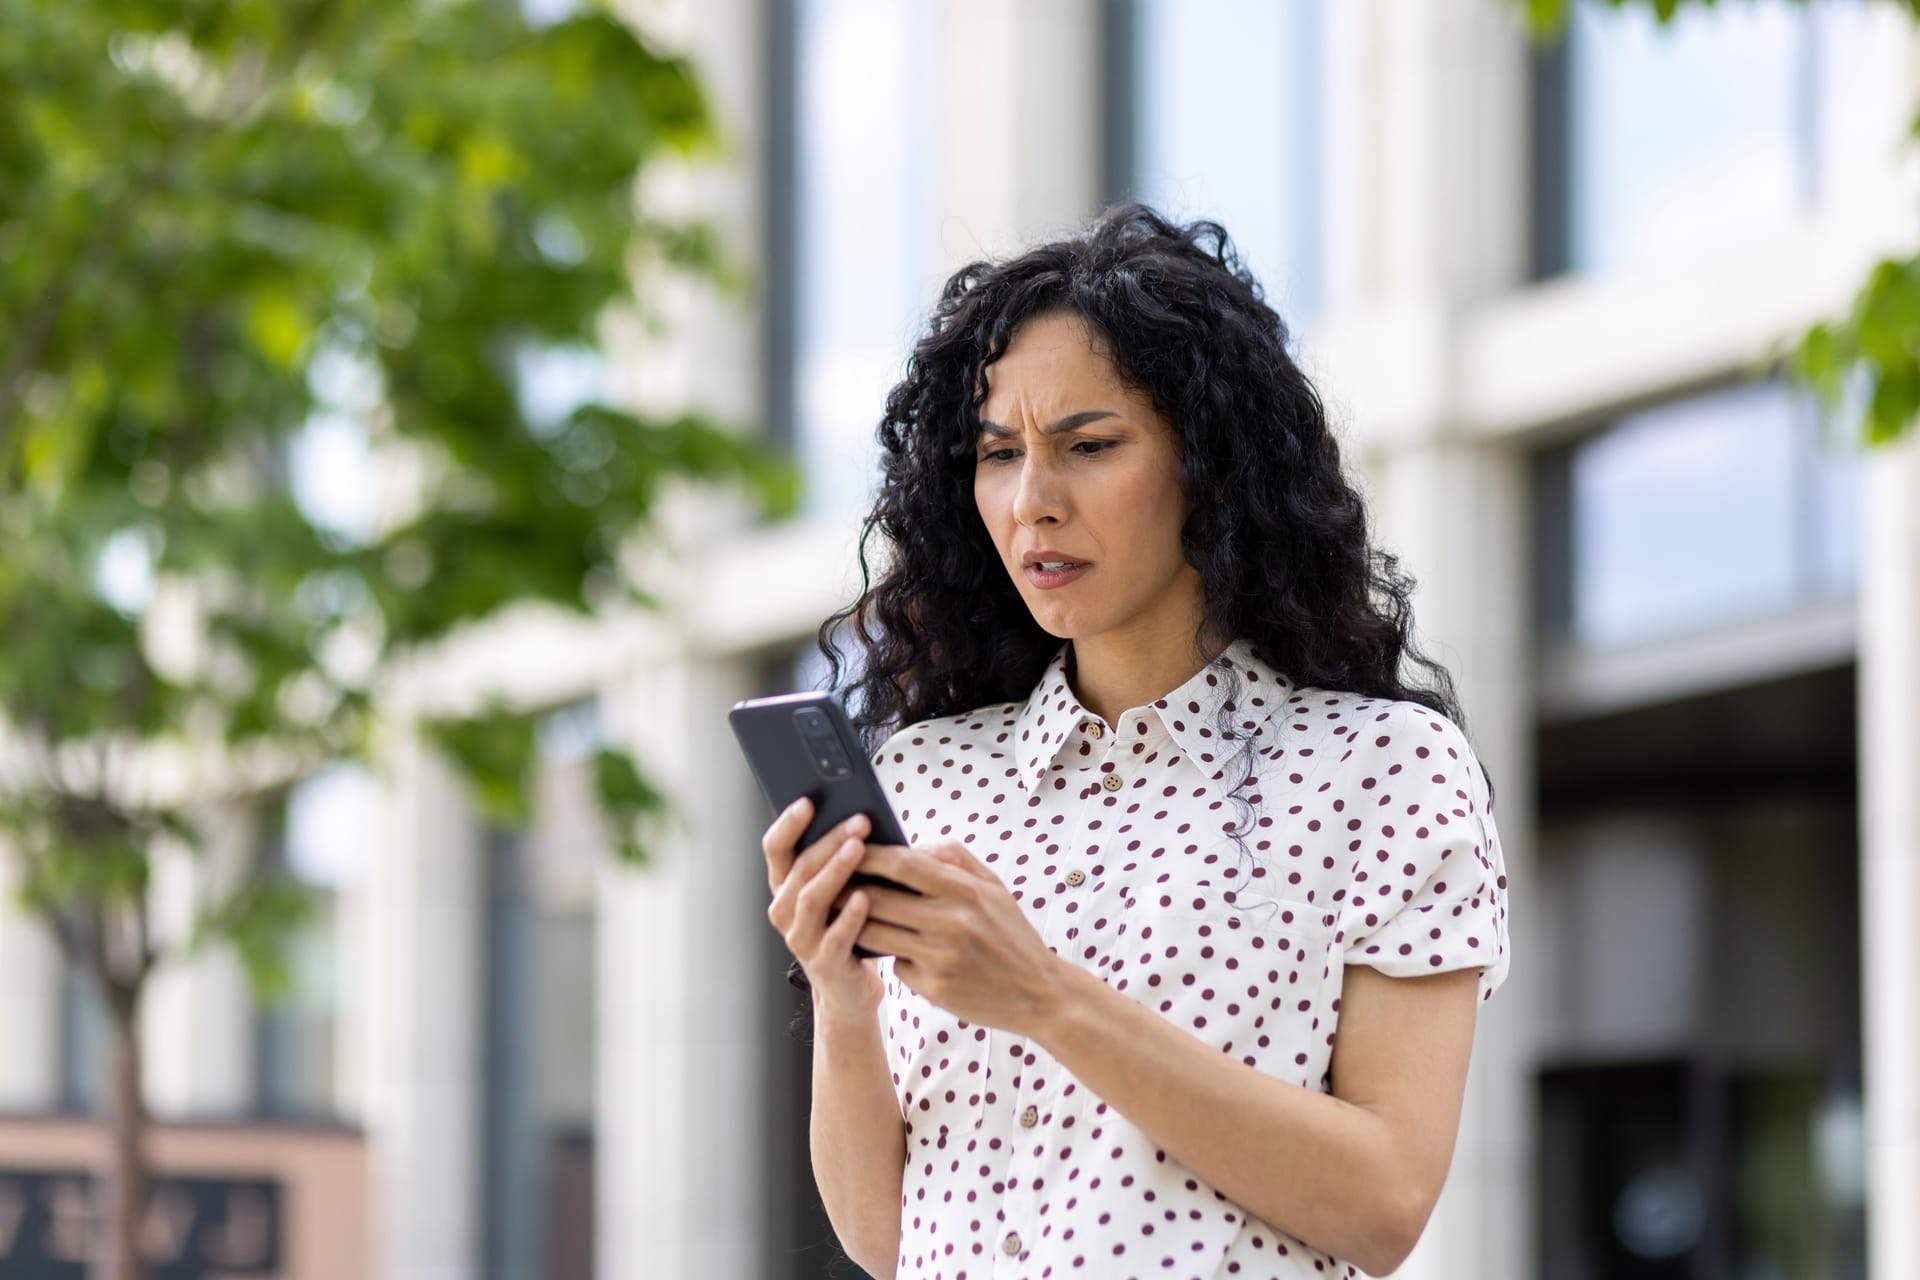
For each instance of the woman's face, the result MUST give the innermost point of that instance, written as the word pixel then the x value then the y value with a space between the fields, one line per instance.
pixel 1072 462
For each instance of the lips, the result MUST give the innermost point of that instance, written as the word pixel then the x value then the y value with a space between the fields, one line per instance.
pixel 1047 579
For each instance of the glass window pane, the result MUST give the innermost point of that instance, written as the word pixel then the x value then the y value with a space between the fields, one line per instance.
pixel 1861 75
pixel 1834 465
pixel 319 834
pixel 86 1042
pixel 1685 138
pixel 1685 514
pixel 863 248
pixel 1228 126
pixel 1697 512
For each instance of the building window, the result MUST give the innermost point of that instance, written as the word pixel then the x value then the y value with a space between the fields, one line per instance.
pixel 1227 119
pixel 858 264
pixel 1705 510
pixel 86 1041
pixel 1717 132
pixel 1700 1099
pixel 316 833
pixel 539 994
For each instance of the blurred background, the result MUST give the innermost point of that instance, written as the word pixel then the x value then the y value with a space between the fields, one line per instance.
pixel 1545 277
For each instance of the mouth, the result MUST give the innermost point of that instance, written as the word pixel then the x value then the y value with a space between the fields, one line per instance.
pixel 1048 574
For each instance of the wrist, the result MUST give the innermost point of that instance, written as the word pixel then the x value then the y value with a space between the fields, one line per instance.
pixel 1054 994
pixel 837 1017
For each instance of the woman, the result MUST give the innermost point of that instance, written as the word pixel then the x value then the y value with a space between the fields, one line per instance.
pixel 1204 897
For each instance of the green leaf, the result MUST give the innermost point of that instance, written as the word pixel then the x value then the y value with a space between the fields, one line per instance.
pixel 258 919
pixel 494 751
pixel 631 803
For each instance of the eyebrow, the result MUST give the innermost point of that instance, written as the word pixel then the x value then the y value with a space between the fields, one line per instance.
pixel 1067 423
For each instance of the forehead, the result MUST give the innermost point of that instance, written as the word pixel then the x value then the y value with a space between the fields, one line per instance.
pixel 1050 356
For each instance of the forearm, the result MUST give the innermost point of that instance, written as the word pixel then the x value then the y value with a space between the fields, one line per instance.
pixel 1308 1163
pixel 858 1140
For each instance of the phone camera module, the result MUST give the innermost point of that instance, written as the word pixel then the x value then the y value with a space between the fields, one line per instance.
pixel 823 745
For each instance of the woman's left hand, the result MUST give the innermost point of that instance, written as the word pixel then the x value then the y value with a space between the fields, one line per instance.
pixel 965 944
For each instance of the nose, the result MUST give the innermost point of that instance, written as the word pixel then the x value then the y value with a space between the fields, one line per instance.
pixel 1038 495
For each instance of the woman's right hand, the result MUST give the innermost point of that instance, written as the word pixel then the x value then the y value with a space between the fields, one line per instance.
pixel 805 884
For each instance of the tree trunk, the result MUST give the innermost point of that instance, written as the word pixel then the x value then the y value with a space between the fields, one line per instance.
pixel 126 1181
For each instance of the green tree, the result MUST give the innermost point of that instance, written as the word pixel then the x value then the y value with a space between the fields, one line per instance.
pixel 223 222
pixel 1877 342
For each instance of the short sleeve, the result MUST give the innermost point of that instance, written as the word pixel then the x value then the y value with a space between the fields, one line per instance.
pixel 1429 889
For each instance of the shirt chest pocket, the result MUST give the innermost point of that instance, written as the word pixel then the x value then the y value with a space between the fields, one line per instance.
pixel 1252 979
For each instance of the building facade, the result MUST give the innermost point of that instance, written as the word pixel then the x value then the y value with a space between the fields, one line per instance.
pixel 1536 287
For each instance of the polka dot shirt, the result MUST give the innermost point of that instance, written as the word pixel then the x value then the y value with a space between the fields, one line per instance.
pixel 1370 842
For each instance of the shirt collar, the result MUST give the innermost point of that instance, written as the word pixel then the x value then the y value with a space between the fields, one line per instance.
pixel 1052 716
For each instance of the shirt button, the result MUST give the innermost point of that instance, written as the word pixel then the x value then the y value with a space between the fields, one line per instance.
pixel 1029 1117
pixel 1096 730
pixel 1076 876
pixel 1111 782
pixel 1011 1244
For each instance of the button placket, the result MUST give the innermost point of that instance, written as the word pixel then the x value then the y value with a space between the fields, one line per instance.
pixel 1040 1082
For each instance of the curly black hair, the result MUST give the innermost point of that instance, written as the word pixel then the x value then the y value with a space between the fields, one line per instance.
pixel 1278 535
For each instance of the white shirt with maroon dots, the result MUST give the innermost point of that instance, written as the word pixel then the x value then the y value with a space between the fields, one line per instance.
pixel 1370 841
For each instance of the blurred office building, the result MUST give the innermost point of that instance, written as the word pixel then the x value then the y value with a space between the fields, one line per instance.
pixel 1536 286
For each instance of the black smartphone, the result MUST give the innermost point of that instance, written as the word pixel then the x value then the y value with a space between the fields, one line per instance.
pixel 802 744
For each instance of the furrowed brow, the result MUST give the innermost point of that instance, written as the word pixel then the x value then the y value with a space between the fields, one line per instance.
pixel 1068 423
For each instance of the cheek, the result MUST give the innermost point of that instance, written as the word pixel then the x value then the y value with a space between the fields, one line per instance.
pixel 1146 508
pixel 992 500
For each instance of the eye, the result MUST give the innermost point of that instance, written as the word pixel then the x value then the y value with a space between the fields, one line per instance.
pixel 1092 447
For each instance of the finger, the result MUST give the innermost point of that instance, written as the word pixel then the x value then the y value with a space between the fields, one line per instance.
pixel 823 848
pixel 878 935
pixel 915 868
pixel 956 854
pixel 786 899
pixel 781 909
pixel 839 937
pixel 778 841
pixel 907 910
pixel 809 910
pixel 828 842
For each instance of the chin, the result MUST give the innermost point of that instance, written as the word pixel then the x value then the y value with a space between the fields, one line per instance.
pixel 1061 625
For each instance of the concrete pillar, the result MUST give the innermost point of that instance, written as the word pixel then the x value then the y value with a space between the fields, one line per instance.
pixel 1457 516
pixel 1427 113
pixel 423 1003
pixel 676 1152
pixel 30 979
pixel 197 1019
pixel 1429 199
pixel 680 988
pixel 1020 161
pixel 1889 693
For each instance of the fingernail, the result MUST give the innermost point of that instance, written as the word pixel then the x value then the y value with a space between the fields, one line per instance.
pixel 849 850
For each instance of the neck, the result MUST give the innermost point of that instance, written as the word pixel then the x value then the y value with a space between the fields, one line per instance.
pixel 1112 675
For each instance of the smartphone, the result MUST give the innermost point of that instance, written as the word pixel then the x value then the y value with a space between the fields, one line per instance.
pixel 802 744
